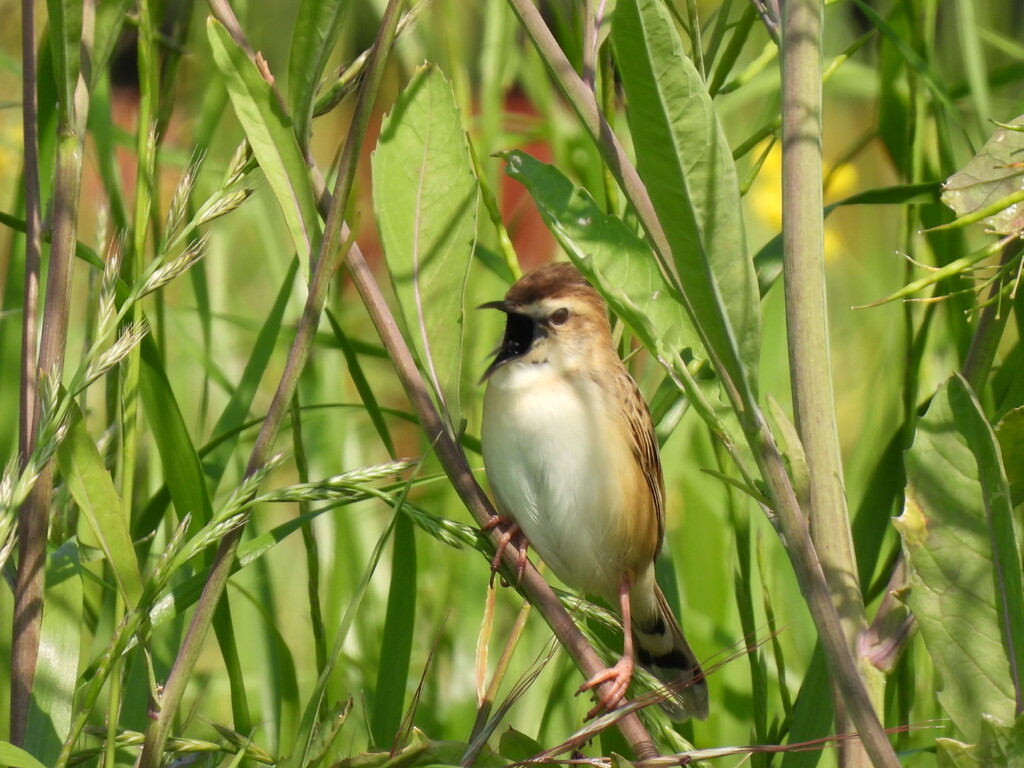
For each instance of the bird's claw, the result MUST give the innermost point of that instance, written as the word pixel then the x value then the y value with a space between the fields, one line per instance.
pixel 511 535
pixel 620 676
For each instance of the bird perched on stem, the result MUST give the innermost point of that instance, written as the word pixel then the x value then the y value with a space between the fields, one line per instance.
pixel 573 462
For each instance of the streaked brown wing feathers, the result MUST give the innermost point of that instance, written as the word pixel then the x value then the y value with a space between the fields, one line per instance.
pixel 645 446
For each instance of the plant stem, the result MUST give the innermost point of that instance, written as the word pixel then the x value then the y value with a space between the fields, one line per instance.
pixel 33 517
pixel 24 652
pixel 327 262
pixel 807 328
pixel 33 231
pixel 985 341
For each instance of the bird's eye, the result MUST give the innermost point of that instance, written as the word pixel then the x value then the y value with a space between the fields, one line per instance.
pixel 559 316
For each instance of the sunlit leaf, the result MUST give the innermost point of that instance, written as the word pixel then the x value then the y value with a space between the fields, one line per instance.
pixel 425 199
pixel 93 490
pixel 965 573
pixel 270 133
pixel 317 25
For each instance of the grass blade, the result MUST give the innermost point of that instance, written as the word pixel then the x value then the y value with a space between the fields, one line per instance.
pixel 396 642
pixel 270 134
pixel 53 694
pixel 92 488
pixel 317 26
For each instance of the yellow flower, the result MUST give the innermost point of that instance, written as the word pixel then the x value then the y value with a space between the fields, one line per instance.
pixel 765 195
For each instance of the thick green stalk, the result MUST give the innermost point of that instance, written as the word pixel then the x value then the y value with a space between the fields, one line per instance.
pixel 327 262
pixel 33 517
pixel 807 330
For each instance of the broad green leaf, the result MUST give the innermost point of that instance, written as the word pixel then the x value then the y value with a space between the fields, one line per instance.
pixel 269 130
pixel 965 571
pixel 317 25
pixel 999 746
pixel 611 255
pixel 92 488
pixel 425 200
pixel 517 746
pixel 60 642
pixel 994 173
pixel 686 164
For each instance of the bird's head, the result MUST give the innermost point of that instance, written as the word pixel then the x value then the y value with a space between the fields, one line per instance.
pixel 553 316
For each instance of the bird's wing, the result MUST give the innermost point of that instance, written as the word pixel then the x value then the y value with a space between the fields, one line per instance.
pixel 645 447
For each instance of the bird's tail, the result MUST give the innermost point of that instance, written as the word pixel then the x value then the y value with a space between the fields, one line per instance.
pixel 663 651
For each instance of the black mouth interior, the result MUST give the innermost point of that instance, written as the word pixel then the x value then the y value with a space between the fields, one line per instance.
pixel 520 331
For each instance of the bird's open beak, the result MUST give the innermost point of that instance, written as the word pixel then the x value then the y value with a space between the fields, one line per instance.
pixel 520 333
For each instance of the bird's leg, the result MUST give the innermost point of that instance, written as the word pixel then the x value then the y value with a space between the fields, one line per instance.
pixel 511 534
pixel 622 672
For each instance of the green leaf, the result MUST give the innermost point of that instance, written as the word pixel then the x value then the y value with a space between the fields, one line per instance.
pixel 15 757
pixel 396 642
pixel 317 25
pixel 813 713
pixel 425 200
pixel 93 490
pixel 182 469
pixel 517 746
pixel 110 16
pixel 999 746
pixel 269 130
pixel 991 176
pixel 1010 433
pixel 686 164
pixel 60 642
pixel 965 570
pixel 65 47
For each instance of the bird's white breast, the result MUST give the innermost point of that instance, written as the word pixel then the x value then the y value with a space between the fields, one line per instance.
pixel 552 454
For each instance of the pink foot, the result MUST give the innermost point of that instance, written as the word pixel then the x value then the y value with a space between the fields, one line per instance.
pixel 620 675
pixel 511 535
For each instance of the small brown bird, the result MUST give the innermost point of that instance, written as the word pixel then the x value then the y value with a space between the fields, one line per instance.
pixel 572 459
